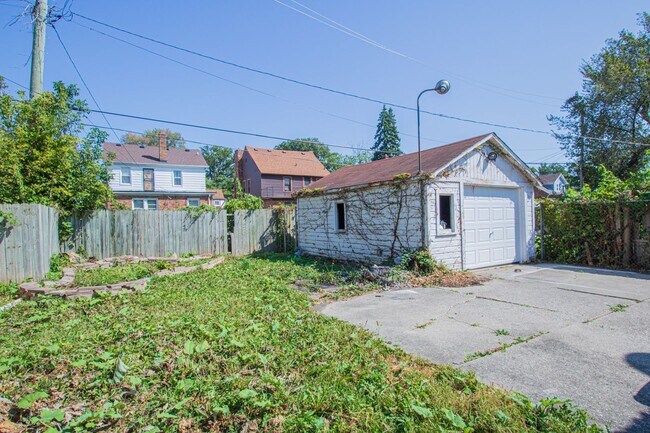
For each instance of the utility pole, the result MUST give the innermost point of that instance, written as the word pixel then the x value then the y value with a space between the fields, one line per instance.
pixel 39 16
pixel 582 148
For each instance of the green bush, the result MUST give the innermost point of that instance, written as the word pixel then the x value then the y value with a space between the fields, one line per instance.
pixel 245 202
pixel 420 262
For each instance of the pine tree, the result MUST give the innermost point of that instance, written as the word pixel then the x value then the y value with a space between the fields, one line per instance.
pixel 387 141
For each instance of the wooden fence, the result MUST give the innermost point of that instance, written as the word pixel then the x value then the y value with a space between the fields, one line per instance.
pixel 27 246
pixel 263 230
pixel 110 233
pixel 27 241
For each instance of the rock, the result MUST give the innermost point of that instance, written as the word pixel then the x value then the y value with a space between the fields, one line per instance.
pixel 74 257
pixel 212 263
pixel 303 283
pixel 68 272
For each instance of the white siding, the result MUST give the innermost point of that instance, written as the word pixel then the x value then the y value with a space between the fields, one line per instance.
pixel 475 169
pixel 372 242
pixel 374 216
pixel 444 247
pixel 193 178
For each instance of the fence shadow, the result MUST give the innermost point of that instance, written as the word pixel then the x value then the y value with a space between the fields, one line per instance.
pixel 641 424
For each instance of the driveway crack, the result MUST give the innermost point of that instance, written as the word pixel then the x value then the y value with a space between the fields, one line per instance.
pixel 517 303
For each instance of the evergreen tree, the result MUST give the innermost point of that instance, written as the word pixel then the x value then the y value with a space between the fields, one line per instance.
pixel 387 141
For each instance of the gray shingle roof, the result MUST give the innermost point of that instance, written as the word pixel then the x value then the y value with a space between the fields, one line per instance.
pixel 134 154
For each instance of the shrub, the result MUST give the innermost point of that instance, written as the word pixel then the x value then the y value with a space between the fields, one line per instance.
pixel 420 262
pixel 245 202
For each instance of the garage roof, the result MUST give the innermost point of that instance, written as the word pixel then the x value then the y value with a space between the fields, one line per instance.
pixel 386 169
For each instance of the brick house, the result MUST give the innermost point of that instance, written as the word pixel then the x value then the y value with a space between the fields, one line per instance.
pixel 274 175
pixel 155 177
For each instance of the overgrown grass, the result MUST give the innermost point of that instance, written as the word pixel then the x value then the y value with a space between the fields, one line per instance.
pixel 236 349
pixel 117 274
pixel 8 292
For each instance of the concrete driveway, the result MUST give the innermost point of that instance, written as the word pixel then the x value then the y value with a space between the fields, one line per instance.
pixel 574 333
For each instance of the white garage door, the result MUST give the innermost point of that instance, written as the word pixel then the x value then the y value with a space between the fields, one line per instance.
pixel 490 226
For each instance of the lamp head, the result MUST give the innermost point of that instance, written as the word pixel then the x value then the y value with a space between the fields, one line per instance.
pixel 442 87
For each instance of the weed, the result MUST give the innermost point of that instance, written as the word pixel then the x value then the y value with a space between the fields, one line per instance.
pixel 236 348
pixel 618 308
pixel 501 332
pixel 502 347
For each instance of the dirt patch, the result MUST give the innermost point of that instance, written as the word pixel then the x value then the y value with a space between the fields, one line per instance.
pixel 448 279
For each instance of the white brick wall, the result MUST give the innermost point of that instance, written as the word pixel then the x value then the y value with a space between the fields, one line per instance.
pixel 380 221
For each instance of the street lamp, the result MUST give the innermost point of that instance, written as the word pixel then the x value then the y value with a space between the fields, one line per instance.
pixel 442 87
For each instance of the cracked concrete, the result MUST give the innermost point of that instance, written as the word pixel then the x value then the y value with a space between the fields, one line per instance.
pixel 583 350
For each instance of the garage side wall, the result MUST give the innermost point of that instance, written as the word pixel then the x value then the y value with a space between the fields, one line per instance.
pixel 476 169
pixel 381 223
pixel 444 246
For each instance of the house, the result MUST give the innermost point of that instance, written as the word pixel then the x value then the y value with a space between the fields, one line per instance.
pixel 472 206
pixel 155 177
pixel 556 183
pixel 274 175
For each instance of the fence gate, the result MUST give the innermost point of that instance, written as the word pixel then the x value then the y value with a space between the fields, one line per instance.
pixel 254 231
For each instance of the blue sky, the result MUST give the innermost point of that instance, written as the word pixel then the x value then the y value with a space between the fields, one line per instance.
pixel 509 62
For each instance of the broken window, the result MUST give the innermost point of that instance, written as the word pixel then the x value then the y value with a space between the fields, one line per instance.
pixel 445 212
pixel 340 216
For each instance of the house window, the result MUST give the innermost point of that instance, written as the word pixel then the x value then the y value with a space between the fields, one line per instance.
pixel 286 184
pixel 145 203
pixel 307 181
pixel 147 179
pixel 446 212
pixel 340 217
pixel 125 178
pixel 178 178
pixel 193 201
pixel 219 202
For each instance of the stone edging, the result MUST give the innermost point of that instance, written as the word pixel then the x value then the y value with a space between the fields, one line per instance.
pixel 64 287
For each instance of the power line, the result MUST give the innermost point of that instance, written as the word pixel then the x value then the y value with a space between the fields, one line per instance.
pixel 350 32
pixel 344 93
pixel 82 78
pixel 240 84
pixel 14 82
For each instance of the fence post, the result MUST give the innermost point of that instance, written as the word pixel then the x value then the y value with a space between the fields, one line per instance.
pixel 541 231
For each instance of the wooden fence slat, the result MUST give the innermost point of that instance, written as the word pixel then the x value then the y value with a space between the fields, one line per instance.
pixel 27 246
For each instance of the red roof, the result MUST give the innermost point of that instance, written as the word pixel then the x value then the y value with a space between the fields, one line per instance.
pixel 386 169
pixel 134 154
pixel 548 179
pixel 286 162
pixel 216 193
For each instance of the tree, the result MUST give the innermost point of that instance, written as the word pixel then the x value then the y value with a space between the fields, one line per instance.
pixel 550 168
pixel 331 160
pixel 221 167
pixel 42 160
pixel 387 141
pixel 612 105
pixel 151 138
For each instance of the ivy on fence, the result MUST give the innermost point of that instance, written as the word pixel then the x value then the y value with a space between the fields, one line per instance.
pixel 613 234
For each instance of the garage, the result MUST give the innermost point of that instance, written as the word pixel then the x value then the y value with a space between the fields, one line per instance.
pixel 490 226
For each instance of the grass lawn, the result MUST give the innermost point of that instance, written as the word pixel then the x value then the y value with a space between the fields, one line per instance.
pixel 118 274
pixel 233 349
pixel 8 292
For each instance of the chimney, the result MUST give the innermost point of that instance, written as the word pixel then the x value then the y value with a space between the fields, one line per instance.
pixel 162 146
pixel 239 154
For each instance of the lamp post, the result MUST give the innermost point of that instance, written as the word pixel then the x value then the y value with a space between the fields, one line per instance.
pixel 441 88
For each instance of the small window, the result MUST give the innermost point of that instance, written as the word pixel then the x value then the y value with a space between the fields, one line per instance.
pixel 125 176
pixel 178 178
pixel 340 216
pixel 146 204
pixel 307 181
pixel 286 184
pixel 147 179
pixel 219 202
pixel 193 202
pixel 445 212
